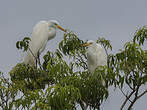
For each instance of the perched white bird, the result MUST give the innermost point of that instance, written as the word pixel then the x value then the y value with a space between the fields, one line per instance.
pixel 96 55
pixel 42 32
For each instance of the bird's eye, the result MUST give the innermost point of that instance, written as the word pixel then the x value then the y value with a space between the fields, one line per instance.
pixel 55 23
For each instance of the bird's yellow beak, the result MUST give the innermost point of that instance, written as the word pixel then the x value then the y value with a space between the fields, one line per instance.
pixel 85 44
pixel 61 28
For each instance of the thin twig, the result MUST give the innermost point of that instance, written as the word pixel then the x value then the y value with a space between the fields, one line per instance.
pixel 130 86
pixel 130 107
pixel 124 94
pixel 142 94
pixel 126 100
pixel 136 97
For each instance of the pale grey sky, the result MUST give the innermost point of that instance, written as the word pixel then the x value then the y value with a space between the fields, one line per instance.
pixel 116 20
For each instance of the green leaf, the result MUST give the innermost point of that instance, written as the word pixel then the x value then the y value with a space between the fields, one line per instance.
pixel 17 44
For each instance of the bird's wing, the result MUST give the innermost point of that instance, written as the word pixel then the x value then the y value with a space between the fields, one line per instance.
pixel 39 37
pixel 100 54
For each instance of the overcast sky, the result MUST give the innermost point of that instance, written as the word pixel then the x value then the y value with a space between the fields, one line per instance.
pixel 116 20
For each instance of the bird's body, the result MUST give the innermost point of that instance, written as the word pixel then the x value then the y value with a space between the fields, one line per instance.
pixel 96 56
pixel 42 32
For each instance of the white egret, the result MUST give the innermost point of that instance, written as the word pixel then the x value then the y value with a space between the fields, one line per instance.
pixel 42 33
pixel 96 55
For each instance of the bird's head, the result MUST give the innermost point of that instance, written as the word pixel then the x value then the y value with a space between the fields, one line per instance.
pixel 55 24
pixel 88 43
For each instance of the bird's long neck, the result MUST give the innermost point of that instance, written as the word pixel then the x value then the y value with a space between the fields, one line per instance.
pixel 52 33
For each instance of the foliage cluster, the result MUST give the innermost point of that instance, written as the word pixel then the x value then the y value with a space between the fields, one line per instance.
pixel 63 81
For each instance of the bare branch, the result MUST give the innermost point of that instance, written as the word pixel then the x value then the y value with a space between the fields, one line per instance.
pixel 130 86
pixel 124 94
pixel 136 97
pixel 128 97
pixel 142 94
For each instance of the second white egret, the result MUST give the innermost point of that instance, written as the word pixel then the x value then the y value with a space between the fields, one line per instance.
pixel 96 55
pixel 42 33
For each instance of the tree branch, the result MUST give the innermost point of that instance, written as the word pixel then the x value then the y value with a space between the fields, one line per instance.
pixel 142 94
pixel 127 98
pixel 124 94
pixel 130 86
pixel 136 97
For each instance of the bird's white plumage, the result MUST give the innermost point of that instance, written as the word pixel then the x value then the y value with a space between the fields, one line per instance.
pixel 54 21
pixel 96 56
pixel 42 32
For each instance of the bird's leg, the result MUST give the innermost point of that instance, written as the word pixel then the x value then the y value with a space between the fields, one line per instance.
pixel 36 61
pixel 38 58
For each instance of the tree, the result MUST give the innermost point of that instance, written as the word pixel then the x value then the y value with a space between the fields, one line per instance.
pixel 130 68
pixel 63 81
